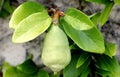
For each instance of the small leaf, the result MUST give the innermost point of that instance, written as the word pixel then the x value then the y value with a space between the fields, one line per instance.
pixel 13 72
pixel 23 11
pixel 28 67
pixel 117 2
pixel 110 49
pixel 105 13
pixel 82 31
pixel 99 1
pixel 83 57
pixel 95 18
pixel 31 27
pixel 86 72
pixel 42 73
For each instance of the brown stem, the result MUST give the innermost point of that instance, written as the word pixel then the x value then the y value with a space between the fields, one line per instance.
pixel 56 14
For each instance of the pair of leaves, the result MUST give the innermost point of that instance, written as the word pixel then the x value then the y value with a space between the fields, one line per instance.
pixel 82 31
pixel 29 21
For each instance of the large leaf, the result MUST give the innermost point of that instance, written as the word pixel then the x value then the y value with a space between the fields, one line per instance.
pixel 110 49
pixel 30 27
pixel 23 11
pixel 13 72
pixel 105 13
pixel 28 67
pixel 117 2
pixel 82 31
pixel 99 1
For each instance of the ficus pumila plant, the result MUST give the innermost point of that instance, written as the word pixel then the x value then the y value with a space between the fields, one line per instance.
pixel 73 45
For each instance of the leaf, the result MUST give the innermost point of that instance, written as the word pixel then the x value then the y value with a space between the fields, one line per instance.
pixel 31 27
pixel 85 73
pixel 23 11
pixel 105 13
pixel 117 2
pixel 106 63
pixel 102 72
pixel 99 1
pixel 82 31
pixel 83 57
pixel 40 73
pixel 95 18
pixel 110 49
pixel 71 70
pixel 28 67
pixel 13 72
pixel 8 7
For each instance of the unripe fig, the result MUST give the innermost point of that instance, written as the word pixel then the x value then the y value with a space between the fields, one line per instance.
pixel 56 52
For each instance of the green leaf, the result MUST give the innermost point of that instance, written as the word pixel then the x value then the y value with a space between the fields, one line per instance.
pixel 102 72
pixel 23 11
pixel 31 27
pixel 86 72
pixel 40 73
pixel 28 67
pixel 82 31
pixel 110 49
pixel 83 57
pixel 8 7
pixel 13 72
pixel 95 18
pixel 105 13
pixel 99 1
pixel 117 2
pixel 106 63
pixel 71 70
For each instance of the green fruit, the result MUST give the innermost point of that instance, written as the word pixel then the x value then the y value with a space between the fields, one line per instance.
pixel 56 52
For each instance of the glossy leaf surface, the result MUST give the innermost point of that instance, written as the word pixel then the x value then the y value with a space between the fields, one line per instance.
pixel 31 27
pixel 82 31
pixel 23 11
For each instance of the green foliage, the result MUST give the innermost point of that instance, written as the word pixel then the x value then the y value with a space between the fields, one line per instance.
pixel 82 31
pixel 31 27
pixel 117 2
pixel 5 8
pixel 23 11
pixel 28 67
pixel 92 56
